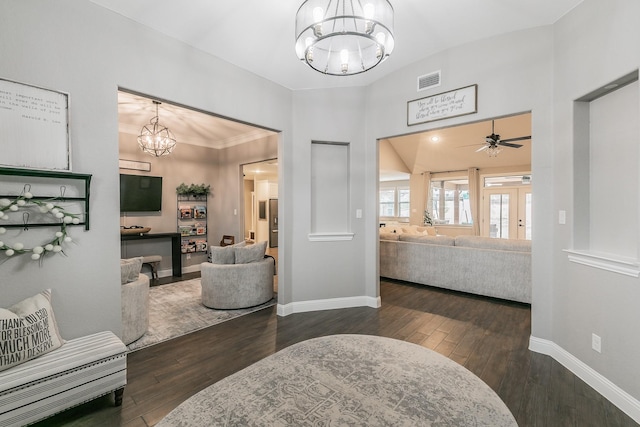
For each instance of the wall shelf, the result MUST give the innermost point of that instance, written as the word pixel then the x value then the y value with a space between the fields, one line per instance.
pixel 63 176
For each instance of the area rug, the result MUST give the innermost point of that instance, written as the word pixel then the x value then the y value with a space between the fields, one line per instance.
pixel 354 380
pixel 176 309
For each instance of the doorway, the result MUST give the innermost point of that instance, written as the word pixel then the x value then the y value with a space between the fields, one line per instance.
pixel 507 213
pixel 260 195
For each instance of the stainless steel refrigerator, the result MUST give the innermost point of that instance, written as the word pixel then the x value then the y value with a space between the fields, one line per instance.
pixel 273 223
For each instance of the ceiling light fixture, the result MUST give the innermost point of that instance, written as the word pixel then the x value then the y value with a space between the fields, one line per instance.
pixel 493 150
pixel 156 139
pixel 344 37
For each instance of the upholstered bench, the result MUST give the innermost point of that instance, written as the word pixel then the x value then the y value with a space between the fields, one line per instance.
pixel 80 370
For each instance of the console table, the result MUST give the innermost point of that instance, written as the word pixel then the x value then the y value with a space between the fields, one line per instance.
pixel 176 256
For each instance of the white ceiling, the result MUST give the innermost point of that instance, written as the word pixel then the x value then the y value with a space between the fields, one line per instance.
pixel 258 35
pixel 188 126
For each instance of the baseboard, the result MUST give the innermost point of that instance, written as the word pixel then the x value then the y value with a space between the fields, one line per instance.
pixel 169 272
pixel 328 304
pixel 620 398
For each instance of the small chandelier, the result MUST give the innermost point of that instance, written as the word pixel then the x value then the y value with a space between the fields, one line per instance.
pixel 156 139
pixel 493 150
pixel 344 37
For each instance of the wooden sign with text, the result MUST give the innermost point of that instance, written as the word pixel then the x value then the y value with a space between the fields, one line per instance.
pixel 458 102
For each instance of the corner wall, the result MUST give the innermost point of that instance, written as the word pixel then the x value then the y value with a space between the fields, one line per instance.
pixel 595 44
pixel 89 53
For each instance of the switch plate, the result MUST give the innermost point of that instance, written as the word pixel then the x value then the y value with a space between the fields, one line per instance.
pixel 596 343
pixel 358 213
pixel 562 217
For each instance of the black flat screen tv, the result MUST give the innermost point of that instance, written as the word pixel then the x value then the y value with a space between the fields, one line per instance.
pixel 140 193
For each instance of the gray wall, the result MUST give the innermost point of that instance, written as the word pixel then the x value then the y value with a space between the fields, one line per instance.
pixel 585 300
pixel 89 52
pixel 188 164
pixel 327 269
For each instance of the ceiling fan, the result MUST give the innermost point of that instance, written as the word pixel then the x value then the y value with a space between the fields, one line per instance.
pixel 493 141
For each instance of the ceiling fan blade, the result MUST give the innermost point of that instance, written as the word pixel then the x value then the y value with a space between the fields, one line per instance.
pixel 520 138
pixel 508 144
pixel 484 147
pixel 470 145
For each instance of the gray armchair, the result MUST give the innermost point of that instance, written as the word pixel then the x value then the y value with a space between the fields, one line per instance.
pixel 135 309
pixel 229 286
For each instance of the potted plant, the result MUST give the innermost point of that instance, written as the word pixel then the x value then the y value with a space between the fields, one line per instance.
pixel 195 190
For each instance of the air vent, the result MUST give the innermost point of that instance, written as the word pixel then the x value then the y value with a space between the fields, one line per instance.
pixel 428 81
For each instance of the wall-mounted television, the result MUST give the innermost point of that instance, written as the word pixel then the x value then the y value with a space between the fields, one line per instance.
pixel 140 193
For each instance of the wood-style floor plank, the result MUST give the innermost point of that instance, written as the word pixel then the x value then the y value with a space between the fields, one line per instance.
pixel 489 337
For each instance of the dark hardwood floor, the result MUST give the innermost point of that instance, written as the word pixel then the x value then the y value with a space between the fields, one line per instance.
pixel 489 337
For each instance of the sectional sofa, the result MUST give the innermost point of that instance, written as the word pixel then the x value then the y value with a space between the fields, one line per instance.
pixel 498 268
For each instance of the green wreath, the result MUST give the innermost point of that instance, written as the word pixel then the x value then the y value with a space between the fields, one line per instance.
pixel 48 207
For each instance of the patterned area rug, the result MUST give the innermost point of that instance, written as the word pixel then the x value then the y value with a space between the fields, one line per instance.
pixel 176 309
pixel 354 380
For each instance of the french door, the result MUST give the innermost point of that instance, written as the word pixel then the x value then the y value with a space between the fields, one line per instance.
pixel 507 213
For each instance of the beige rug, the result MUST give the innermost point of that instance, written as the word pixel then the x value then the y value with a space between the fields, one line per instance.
pixel 176 309
pixel 347 380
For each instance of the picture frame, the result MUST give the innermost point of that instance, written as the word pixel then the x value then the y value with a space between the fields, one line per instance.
pixel 36 121
pixel 445 105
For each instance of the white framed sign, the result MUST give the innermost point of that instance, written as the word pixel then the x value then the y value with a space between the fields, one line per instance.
pixel 34 127
pixel 454 103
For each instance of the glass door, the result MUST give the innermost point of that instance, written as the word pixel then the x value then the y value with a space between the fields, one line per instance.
pixel 500 213
pixel 507 213
pixel 524 213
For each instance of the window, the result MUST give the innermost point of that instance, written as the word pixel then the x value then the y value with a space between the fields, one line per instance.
pixel 450 202
pixel 395 202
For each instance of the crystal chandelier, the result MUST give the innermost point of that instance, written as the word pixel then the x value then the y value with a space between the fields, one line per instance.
pixel 156 139
pixel 344 37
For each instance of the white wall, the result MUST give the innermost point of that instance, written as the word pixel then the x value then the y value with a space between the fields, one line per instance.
pixel 89 52
pixel 595 44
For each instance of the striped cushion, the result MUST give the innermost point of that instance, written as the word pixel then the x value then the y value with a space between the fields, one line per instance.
pixel 81 370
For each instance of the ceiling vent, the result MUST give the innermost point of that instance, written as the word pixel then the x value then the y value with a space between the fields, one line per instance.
pixel 428 81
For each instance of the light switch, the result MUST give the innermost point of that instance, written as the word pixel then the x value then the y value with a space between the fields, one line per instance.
pixel 358 213
pixel 562 217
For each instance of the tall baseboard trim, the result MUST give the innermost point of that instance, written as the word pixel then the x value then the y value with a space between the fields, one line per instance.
pixel 328 304
pixel 620 398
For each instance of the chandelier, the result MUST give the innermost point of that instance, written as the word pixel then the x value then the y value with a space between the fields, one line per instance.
pixel 156 139
pixel 344 37
pixel 493 150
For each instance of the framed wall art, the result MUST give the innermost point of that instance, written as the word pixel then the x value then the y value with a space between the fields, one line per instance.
pixel 454 103
pixel 35 127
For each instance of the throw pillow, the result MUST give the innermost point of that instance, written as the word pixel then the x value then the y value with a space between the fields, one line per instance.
pixel 221 255
pixel 251 253
pixel 28 330
pixel 224 254
pixel 130 269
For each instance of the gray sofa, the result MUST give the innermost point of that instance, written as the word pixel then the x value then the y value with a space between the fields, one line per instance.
pixel 498 268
